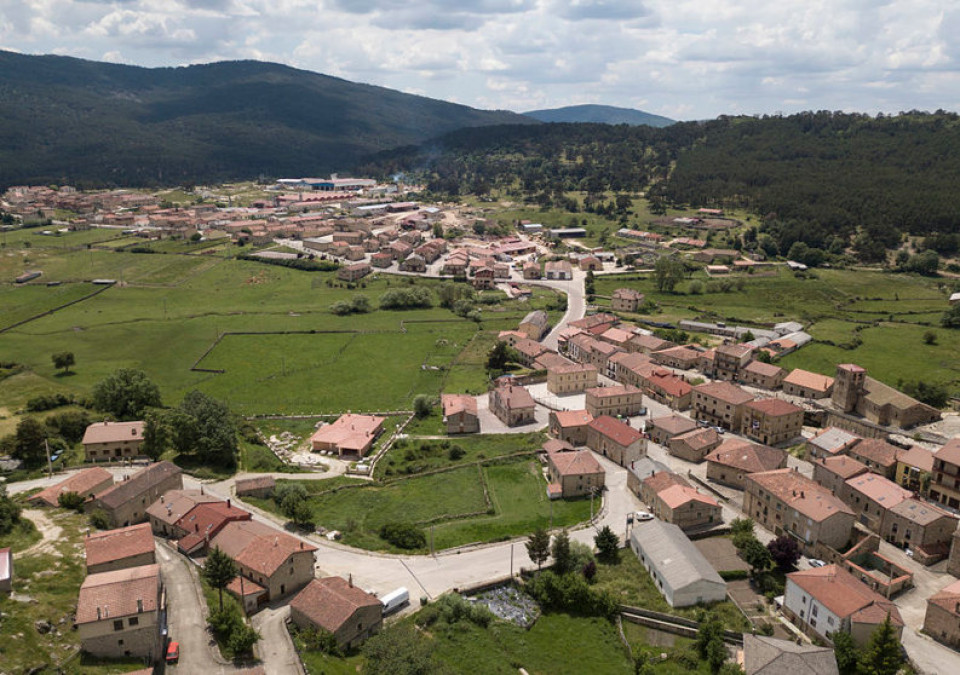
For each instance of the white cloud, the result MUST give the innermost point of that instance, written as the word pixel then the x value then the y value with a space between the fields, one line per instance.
pixel 681 58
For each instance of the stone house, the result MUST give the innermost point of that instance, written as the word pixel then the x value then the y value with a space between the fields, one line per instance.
pixel 512 404
pixel 615 440
pixel 694 445
pixel 571 378
pixel 626 300
pixel 261 487
pixel 119 549
pixel 673 500
pixel 662 429
pixel 735 459
pixel 771 421
pixel 570 425
pixel 460 414
pixel 805 384
pixel 336 606
pixel 126 503
pixel 833 472
pixel 622 400
pixel 720 404
pixel 573 474
pixel 110 441
pixel 762 375
pixel 942 620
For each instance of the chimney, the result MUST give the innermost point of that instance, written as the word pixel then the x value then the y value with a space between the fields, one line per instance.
pixel 196 527
pixel 350 580
pixel 161 499
pixel 201 489
pixel 301 545
pixel 802 496
pixel 228 503
pixel 276 541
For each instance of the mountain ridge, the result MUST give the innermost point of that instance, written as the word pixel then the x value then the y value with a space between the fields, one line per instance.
pixel 64 119
pixel 599 114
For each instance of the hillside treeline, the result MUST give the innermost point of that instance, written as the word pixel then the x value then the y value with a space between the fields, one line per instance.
pixel 819 177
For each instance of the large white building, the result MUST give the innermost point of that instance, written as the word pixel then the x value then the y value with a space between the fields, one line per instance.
pixel 679 570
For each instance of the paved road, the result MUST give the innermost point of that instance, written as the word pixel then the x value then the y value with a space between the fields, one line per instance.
pixel 576 303
pixel 186 615
pixel 276 647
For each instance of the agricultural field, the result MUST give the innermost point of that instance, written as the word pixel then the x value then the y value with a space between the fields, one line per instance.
pixel 890 313
pixel 451 503
pixel 169 310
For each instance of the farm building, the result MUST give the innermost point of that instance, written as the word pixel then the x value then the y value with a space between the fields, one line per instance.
pixel 679 570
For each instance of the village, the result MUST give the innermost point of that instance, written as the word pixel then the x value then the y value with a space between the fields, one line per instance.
pixel 676 443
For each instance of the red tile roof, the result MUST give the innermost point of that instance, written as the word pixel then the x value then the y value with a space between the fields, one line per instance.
pixel 573 418
pixel 674 424
pixel 113 432
pixel 175 503
pixel 454 404
pixel 808 380
pixel 350 432
pixel 843 466
pixel 113 545
pixel 876 450
pixel 661 480
pixel 257 546
pixel 774 407
pixel 331 602
pixel 609 392
pixel 678 495
pixel 615 430
pixel 121 593
pixel 747 457
pixel 885 492
pixel 948 598
pixel 724 391
pixel 83 483
pixel 917 457
pixel 578 463
pixel 845 596
pixel 204 521
pixel 950 452
pixel 810 499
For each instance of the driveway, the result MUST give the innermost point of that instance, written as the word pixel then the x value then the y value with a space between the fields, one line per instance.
pixel 186 616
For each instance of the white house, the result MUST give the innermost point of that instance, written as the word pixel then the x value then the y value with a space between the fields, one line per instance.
pixel 679 570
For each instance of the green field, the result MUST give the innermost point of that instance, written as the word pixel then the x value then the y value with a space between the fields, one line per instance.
pixel 412 455
pixel 892 311
pixel 517 494
pixel 170 309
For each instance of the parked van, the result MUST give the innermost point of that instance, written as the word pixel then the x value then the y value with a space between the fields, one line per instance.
pixel 394 600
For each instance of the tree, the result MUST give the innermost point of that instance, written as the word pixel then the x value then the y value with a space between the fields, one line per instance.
pixel 216 430
pixel 883 654
pixel 538 547
pixel 398 650
pixel 951 318
pixel 667 273
pixel 156 435
pixel 560 550
pixel 69 425
pixel 709 642
pixel 242 638
pixel 422 406
pixel 403 535
pixel 929 338
pixel 846 652
pixel 63 361
pixel 608 544
pixel 498 357
pixel 288 496
pixel 9 512
pixel 756 555
pixel 126 393
pixel 784 551
pixel 29 442
pixel 218 571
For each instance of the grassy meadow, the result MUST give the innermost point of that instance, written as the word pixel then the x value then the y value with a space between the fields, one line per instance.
pixel 169 310
pixel 452 501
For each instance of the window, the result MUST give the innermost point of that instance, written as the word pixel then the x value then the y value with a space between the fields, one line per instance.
pixel 814 610
pixel 118 624
pixel 133 621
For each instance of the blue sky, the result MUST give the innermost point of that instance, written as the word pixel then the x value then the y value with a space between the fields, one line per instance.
pixel 686 59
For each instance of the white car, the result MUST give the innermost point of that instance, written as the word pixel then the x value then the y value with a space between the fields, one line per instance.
pixel 816 563
pixel 643 515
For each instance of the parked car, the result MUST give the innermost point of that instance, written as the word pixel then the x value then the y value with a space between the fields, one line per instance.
pixel 173 652
pixel 814 562
pixel 643 515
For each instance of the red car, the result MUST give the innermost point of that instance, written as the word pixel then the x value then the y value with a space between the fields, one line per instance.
pixel 173 652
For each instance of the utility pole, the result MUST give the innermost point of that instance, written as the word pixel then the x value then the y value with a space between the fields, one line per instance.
pixel 49 463
pixel 551 514
pixel 511 561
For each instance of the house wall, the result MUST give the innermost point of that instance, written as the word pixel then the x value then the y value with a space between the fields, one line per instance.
pixel 702 591
pixel 717 412
pixel 613 450
pixel 726 475
pixel 573 382
pixel 135 510
pixel 809 613
pixel 463 423
pixel 771 430
pixel 623 404
pixel 681 449
pixel 942 626
pixel 805 392
pixel 113 450
pixel 295 573
pixel 687 516
pixel 100 638
pixel 898 530
pixel 762 381
pixel 578 485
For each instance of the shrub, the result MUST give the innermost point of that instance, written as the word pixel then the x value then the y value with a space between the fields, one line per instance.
pixel 456 452
pixel 733 575
pixel 99 519
pixel 71 500
pixel 571 593
pixel 403 535
pixel 454 608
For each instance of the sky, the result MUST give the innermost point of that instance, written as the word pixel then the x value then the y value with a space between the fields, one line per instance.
pixel 686 59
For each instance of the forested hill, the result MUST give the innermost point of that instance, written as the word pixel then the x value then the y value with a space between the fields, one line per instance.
pixel 66 120
pixel 823 174
pixel 599 114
